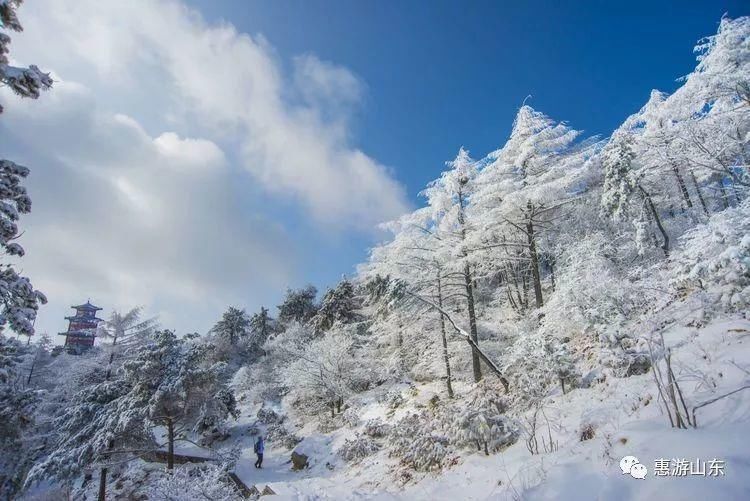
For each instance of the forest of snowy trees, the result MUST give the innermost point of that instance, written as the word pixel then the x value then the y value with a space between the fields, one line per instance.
pixel 529 272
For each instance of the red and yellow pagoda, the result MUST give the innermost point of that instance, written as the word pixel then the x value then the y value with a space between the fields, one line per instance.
pixel 81 329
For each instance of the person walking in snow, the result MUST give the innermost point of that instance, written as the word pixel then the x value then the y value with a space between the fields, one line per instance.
pixel 258 448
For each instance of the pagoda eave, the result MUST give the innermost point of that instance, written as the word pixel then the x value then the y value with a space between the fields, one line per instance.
pixel 79 318
pixel 76 334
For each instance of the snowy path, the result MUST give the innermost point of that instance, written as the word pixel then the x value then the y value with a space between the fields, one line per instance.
pixel 276 468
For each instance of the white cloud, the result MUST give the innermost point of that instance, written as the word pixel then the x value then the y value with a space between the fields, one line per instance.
pixel 135 153
pixel 194 153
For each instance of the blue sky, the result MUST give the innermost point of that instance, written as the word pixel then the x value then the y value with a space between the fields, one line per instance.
pixel 441 74
pixel 197 154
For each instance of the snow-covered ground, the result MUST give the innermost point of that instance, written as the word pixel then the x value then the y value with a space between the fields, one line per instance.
pixel 626 418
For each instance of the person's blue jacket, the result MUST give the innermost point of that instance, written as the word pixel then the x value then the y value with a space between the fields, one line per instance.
pixel 259 446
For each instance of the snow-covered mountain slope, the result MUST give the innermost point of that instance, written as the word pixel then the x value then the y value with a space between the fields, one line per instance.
pixel 624 415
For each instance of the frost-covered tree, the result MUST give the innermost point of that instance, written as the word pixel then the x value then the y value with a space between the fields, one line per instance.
pixel 321 371
pixel 233 326
pixel 17 406
pixel 520 193
pixel 620 183
pixel 86 428
pixel 298 305
pixel 481 422
pixel 448 200
pixel 415 258
pixel 40 360
pixel 715 258
pixel 339 305
pixel 262 326
pixel 172 384
pixel 126 331
pixel 24 82
pixel 419 442
pixel 197 483
pixel 20 301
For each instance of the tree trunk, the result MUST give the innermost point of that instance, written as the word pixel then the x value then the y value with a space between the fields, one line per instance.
pixel 699 192
pixel 552 273
pixel 472 323
pixel 534 261
pixel 103 485
pixel 170 453
pixel 446 359
pixel 723 191
pixel 655 214
pixel 33 366
pixel 111 444
pixel 683 188
pixel 469 293
pixel 670 390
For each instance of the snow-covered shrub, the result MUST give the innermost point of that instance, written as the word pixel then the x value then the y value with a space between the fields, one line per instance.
pixel 587 432
pixel 376 428
pixel 482 423
pixel 277 434
pixel 266 415
pixel 420 445
pixel 357 448
pixel 536 362
pixel 393 399
pixel 328 423
pixel 715 257
pixel 593 301
pixel 351 417
pixel 204 482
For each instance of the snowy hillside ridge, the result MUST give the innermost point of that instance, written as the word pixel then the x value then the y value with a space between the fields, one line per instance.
pixel 556 306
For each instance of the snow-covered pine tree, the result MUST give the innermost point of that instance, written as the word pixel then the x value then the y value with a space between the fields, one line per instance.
pixel 173 384
pixel 298 305
pixel 20 300
pixel 414 258
pixel 339 305
pixel 620 183
pixel 520 193
pixel 126 332
pixel 419 442
pixel 17 406
pixel 87 426
pixel 233 326
pixel 481 421
pixel 261 326
pixel 25 82
pixel 448 199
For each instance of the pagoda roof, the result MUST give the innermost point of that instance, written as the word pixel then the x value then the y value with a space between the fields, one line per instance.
pixel 79 318
pixel 87 306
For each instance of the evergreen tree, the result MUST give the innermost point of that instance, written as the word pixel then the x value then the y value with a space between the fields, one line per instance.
pixel 233 326
pixel 172 384
pixel 339 305
pixel 448 199
pixel 261 326
pixel 17 406
pixel 298 305
pixel 25 82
